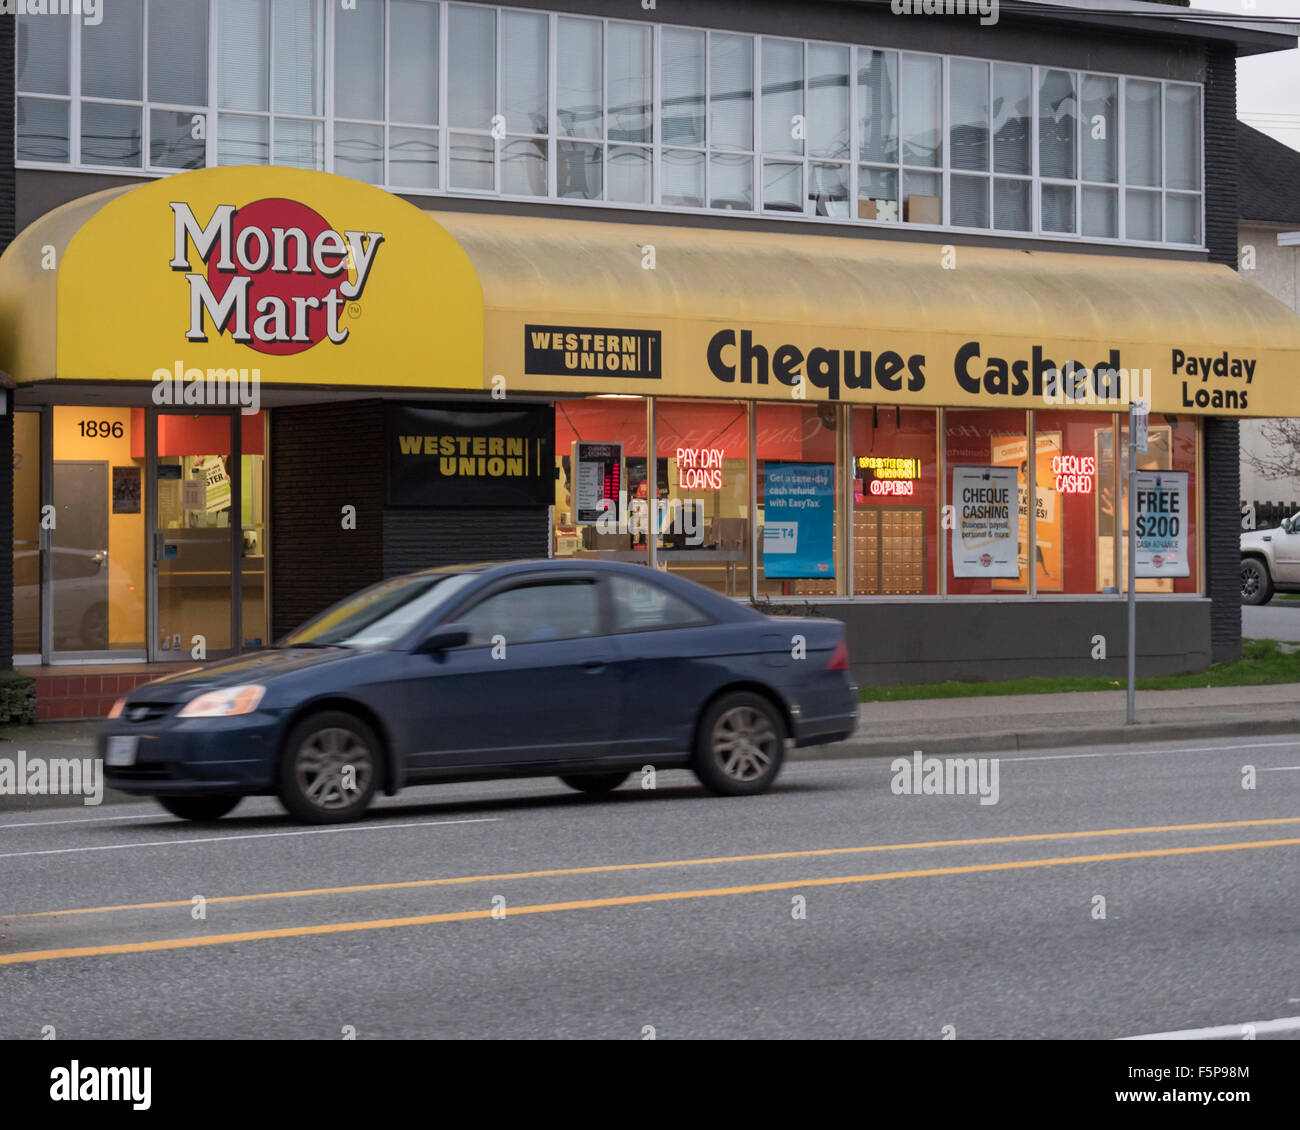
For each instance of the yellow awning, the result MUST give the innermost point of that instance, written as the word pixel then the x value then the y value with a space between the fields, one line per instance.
pixel 335 283
pixel 1193 337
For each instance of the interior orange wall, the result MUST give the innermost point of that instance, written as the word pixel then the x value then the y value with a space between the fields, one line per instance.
pixel 197 435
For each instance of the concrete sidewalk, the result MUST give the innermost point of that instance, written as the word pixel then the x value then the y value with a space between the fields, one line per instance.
pixel 999 723
pixel 990 724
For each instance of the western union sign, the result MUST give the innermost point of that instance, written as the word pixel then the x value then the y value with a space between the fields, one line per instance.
pixel 587 351
pixel 470 456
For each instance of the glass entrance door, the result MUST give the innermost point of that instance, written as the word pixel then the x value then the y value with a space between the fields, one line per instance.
pixel 196 535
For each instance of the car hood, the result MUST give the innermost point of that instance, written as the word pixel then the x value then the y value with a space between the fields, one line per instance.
pixel 259 667
pixel 1256 539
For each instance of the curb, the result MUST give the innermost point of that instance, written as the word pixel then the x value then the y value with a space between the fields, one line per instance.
pixel 1016 741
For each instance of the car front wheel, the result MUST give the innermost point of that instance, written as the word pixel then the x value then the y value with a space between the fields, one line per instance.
pixel 740 745
pixel 1256 584
pixel 199 808
pixel 330 768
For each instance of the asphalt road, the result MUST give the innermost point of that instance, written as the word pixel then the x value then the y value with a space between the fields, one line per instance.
pixel 671 910
pixel 1276 620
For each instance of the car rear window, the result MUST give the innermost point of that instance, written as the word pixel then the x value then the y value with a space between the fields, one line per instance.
pixel 643 606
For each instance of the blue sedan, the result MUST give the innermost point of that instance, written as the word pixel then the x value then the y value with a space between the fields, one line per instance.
pixel 586 670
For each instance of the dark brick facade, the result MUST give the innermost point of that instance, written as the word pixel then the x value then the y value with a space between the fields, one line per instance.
pixel 7 232
pixel 328 456
pixel 324 457
pixel 1222 477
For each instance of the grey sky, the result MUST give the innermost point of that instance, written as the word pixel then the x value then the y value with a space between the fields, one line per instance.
pixel 1268 86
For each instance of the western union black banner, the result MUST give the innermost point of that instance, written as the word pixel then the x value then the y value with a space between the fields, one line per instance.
pixel 586 351
pixel 471 456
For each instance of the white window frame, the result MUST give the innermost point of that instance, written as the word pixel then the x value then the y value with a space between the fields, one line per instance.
pixel 657 147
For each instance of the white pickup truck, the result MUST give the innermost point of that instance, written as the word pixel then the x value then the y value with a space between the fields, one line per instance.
pixel 1270 561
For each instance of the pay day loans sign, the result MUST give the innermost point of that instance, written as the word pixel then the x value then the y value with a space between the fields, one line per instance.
pixel 985 539
pixel 1160 523
pixel 798 520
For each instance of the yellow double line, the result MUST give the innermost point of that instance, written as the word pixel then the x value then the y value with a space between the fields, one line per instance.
pixel 662 896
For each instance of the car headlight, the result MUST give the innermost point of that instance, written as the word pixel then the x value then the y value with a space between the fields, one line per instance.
pixel 118 707
pixel 224 703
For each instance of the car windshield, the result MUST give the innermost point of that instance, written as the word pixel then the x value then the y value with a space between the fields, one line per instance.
pixel 380 614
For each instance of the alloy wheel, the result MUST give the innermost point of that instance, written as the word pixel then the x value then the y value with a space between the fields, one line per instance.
pixel 744 743
pixel 321 764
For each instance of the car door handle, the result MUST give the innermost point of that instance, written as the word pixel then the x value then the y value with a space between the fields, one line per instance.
pixel 594 666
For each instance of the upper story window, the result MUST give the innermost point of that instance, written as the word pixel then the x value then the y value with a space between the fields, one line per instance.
pixel 438 97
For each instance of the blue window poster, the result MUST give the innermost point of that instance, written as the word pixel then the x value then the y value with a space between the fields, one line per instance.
pixel 799 520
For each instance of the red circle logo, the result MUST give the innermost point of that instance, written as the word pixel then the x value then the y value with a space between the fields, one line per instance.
pixel 1157 561
pixel 986 560
pixel 255 258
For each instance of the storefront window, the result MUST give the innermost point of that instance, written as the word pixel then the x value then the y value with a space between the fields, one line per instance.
pixel 1076 519
pixel 600 456
pixel 986 461
pixel 702 457
pixel 895 502
pixel 1171 446
pixel 98 543
pixel 799 487
pixel 254 551
pixel 194 512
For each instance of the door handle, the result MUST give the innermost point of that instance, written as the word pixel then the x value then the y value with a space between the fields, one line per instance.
pixel 594 666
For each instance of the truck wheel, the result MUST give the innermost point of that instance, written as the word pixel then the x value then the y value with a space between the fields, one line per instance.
pixel 1256 584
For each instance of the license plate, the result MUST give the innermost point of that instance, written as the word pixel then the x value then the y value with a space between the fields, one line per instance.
pixel 121 751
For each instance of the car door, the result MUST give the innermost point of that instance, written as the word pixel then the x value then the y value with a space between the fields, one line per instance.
pixel 534 683
pixel 670 656
pixel 1286 551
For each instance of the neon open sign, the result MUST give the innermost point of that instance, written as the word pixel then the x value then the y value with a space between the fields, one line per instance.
pixel 892 486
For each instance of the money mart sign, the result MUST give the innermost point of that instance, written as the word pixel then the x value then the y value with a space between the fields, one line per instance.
pixel 274 274
pixel 310 278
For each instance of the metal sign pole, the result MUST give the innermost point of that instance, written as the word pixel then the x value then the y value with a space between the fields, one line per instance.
pixel 1137 419
pixel 1132 565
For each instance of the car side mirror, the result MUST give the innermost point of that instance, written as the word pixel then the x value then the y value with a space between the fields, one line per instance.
pixel 443 638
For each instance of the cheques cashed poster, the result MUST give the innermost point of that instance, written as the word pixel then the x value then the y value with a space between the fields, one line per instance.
pixel 799 520
pixel 984 540
pixel 1011 451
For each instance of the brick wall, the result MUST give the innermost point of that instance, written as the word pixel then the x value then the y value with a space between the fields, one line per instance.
pixel 1221 480
pixel 7 214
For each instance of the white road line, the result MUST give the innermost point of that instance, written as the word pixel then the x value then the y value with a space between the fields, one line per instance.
pixel 1281 769
pixel 1227 1031
pixel 1152 752
pixel 87 820
pixel 185 842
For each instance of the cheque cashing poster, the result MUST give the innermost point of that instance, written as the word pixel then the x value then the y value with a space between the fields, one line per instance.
pixel 1010 451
